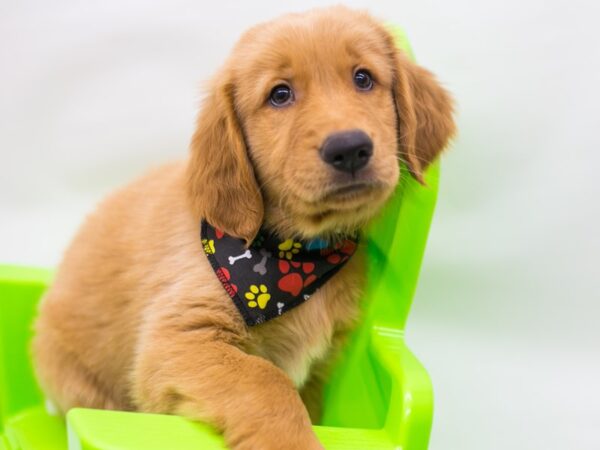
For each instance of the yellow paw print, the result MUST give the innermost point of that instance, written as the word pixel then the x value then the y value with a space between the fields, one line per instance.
pixel 258 296
pixel 209 246
pixel 288 248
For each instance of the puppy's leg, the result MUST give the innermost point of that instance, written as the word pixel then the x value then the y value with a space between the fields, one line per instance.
pixel 252 401
pixel 312 391
pixel 65 380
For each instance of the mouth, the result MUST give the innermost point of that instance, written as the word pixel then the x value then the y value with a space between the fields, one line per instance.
pixel 349 191
pixel 344 206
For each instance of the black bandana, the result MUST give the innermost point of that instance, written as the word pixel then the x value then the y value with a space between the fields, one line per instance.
pixel 273 275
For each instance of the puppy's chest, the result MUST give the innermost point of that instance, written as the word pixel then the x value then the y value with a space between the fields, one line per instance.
pixel 303 337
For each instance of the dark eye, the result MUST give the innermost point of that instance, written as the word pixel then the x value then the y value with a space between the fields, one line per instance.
pixel 363 80
pixel 281 95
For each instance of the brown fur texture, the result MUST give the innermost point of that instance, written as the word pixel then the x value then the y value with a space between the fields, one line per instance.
pixel 136 318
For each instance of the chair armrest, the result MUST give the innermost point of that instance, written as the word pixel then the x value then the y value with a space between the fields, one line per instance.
pixel 90 429
pixel 93 429
pixel 410 413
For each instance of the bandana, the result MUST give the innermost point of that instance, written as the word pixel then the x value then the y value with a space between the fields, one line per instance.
pixel 273 275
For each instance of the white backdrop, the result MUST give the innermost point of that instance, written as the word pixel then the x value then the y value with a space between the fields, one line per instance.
pixel 506 315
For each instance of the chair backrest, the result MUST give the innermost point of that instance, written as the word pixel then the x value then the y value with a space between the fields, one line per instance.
pixel 396 240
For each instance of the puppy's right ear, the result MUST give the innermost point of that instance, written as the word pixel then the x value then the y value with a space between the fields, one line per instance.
pixel 221 181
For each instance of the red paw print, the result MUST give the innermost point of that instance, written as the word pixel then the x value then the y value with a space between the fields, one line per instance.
pixel 219 233
pixel 294 282
pixel 340 252
pixel 224 277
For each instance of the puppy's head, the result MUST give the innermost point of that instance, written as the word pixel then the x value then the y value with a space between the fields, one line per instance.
pixel 305 125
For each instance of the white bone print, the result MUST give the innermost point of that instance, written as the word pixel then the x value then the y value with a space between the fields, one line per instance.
pixel 246 255
pixel 280 308
pixel 261 267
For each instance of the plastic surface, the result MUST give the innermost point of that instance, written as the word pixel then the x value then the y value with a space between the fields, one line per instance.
pixel 379 396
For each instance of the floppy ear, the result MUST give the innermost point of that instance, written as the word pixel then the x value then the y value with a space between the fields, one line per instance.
pixel 221 181
pixel 424 108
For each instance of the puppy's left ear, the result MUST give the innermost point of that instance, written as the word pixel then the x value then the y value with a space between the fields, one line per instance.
pixel 425 115
pixel 221 181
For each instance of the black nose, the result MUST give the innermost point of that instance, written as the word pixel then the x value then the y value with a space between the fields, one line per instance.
pixel 348 151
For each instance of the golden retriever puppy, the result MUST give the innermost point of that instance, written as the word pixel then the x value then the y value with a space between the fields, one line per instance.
pixel 299 139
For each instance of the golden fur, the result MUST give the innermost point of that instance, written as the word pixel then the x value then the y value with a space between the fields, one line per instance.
pixel 137 320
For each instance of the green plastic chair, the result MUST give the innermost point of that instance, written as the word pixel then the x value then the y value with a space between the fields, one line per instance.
pixel 379 396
